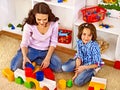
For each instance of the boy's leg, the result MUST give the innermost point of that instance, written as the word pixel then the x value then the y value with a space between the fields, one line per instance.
pixel 84 77
pixel 55 63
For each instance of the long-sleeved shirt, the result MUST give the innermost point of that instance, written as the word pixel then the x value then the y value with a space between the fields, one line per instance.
pixel 33 38
pixel 89 53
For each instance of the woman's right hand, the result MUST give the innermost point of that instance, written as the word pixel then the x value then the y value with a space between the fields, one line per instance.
pixel 25 59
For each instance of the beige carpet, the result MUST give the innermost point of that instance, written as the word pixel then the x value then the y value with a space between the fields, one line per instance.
pixel 8 48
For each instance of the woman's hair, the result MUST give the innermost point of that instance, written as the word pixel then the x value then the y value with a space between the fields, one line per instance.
pixel 41 8
pixel 89 26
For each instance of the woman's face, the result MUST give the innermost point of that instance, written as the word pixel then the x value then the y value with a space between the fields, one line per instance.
pixel 86 35
pixel 41 19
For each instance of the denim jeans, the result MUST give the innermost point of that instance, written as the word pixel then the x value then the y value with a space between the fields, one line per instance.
pixel 36 56
pixel 83 77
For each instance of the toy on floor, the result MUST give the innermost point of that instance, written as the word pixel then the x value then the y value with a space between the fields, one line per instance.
pixel 117 64
pixel 29 77
pixel 97 83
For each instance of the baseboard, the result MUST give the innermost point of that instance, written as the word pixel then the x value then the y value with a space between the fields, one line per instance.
pixel 58 48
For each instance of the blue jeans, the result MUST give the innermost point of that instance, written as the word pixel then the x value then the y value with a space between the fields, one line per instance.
pixel 36 56
pixel 83 77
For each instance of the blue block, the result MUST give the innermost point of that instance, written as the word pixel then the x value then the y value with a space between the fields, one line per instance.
pixel 29 65
pixel 40 75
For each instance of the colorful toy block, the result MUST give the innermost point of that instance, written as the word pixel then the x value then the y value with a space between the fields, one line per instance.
pixel 97 84
pixel 49 73
pixel 29 79
pixel 19 80
pixel 28 84
pixel 69 83
pixel 62 84
pixel 49 83
pixel 20 73
pixel 117 64
pixel 8 73
pixel 39 75
pixel 29 65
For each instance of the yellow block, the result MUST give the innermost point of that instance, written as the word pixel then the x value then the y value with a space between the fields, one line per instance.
pixel 8 73
pixel 62 84
pixel 97 86
pixel 28 79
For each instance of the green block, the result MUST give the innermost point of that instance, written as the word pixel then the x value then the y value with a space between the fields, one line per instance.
pixel 28 84
pixel 19 80
pixel 69 83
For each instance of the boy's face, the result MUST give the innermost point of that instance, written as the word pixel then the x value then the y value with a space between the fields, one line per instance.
pixel 41 19
pixel 86 35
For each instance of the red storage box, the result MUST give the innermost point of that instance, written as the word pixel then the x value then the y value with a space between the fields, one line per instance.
pixel 93 14
pixel 64 36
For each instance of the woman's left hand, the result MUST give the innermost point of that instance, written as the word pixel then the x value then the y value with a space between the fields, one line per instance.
pixel 45 63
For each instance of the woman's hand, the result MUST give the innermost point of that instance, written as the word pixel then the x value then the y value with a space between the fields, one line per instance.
pixel 45 63
pixel 25 59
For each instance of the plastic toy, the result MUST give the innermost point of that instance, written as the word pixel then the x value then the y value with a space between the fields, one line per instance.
pixel 60 1
pixel 11 26
pixel 97 84
pixel 48 73
pixel 64 36
pixel 39 75
pixel 117 64
pixel 62 84
pixel 9 74
pixel 69 83
pixel 93 14
pixel 29 82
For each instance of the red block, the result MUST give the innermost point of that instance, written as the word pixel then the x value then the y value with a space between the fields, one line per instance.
pixel 28 72
pixel 117 64
pixel 90 88
pixel 49 73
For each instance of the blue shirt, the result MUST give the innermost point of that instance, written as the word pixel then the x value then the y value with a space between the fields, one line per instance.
pixel 89 53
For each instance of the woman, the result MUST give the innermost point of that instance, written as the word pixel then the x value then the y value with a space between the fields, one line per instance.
pixel 40 34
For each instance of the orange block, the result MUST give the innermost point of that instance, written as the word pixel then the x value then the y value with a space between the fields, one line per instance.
pixel 8 73
pixel 62 84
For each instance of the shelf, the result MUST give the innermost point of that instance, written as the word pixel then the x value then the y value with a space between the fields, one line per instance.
pixel 68 4
pixel 114 30
pixel 65 45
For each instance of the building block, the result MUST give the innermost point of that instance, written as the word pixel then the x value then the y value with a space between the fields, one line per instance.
pixel 28 72
pixel 117 64
pixel 51 84
pixel 34 64
pixel 98 83
pixel 62 84
pixel 19 80
pixel 8 73
pixel 90 88
pixel 39 75
pixel 29 65
pixel 28 84
pixel 45 88
pixel 37 84
pixel 20 73
pixel 49 73
pixel 69 83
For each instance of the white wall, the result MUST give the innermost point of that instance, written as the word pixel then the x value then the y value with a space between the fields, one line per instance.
pixel 7 9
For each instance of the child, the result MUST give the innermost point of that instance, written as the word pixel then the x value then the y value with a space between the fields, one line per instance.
pixel 87 58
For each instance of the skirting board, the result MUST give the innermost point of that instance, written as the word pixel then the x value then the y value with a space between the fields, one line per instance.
pixel 58 48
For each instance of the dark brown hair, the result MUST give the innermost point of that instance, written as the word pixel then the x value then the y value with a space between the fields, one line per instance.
pixel 89 26
pixel 41 8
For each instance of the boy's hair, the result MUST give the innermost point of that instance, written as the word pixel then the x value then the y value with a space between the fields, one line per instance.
pixel 41 8
pixel 89 26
